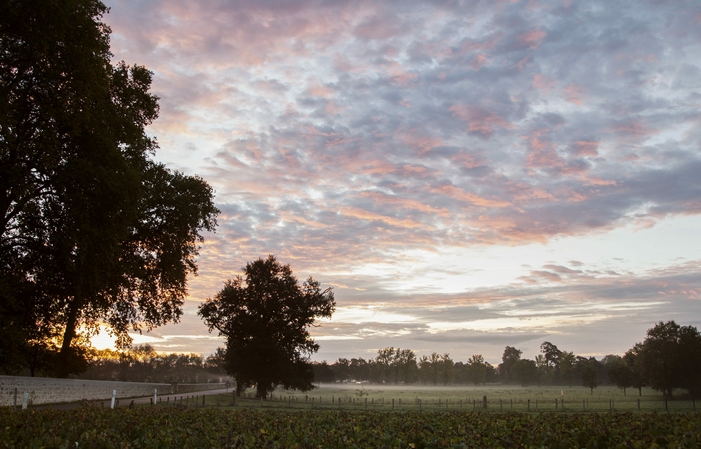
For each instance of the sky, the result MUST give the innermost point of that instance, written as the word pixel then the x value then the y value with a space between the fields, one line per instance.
pixel 466 175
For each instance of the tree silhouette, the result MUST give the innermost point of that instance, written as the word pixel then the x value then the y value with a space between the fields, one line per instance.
pixel 265 315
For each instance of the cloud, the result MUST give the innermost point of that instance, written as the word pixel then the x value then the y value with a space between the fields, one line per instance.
pixel 343 135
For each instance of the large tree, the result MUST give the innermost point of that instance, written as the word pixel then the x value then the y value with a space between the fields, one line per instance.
pixel 670 357
pixel 265 315
pixel 93 230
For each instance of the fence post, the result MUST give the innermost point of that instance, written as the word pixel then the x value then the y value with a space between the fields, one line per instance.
pixel 420 404
pixel 392 403
pixel 529 405
pixel 25 401
pixel 665 404
pixel 114 396
pixel 15 406
pixel 203 399
pixel 155 396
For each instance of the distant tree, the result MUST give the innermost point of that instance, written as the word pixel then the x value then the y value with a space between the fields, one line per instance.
pixel 447 369
pixel 619 373
pixel 525 372
pixel 323 372
pixel 360 369
pixel 589 373
pixel 341 368
pixel 265 315
pixel 383 362
pixel 405 366
pixel 552 356
pixel 216 363
pixel 491 373
pixel 567 361
pixel 509 358
pixel 476 370
pixel 545 371
pixel 426 370
pixel 632 362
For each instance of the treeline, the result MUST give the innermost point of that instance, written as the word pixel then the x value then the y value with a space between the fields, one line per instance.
pixel 143 364
pixel 668 359
pixel 401 366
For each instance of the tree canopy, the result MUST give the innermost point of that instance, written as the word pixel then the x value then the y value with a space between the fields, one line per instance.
pixel 265 315
pixel 670 357
pixel 93 230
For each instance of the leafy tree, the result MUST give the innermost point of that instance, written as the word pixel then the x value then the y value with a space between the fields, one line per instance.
pixel 632 362
pixel 446 369
pixel 476 370
pixel 545 371
pixel 567 361
pixel 619 373
pixel 92 229
pixel 360 369
pixel 509 358
pixel 670 357
pixel 265 314
pixel 383 363
pixel 216 363
pixel 551 353
pixel 323 372
pixel 524 371
pixel 589 373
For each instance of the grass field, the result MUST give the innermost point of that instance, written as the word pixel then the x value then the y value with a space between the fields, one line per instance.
pixel 466 398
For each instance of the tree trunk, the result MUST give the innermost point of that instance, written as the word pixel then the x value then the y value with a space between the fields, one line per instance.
pixel 63 369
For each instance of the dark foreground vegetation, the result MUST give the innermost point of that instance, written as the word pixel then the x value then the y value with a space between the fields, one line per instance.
pixel 206 428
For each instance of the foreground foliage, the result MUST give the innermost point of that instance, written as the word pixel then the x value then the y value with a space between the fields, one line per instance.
pixel 208 428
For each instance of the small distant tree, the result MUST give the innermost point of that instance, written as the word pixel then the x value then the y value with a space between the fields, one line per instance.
pixel 508 360
pixel 323 372
pixel 265 315
pixel 567 361
pixel 619 373
pixel 632 361
pixel 476 370
pixel 589 373
pixel 525 371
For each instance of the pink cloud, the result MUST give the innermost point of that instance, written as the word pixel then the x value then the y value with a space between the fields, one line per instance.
pixel 574 93
pixel 531 39
pixel 461 195
pixel 480 120
pixel 478 61
pixel 362 214
pixel 585 148
pixel 405 203
pixel 544 83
